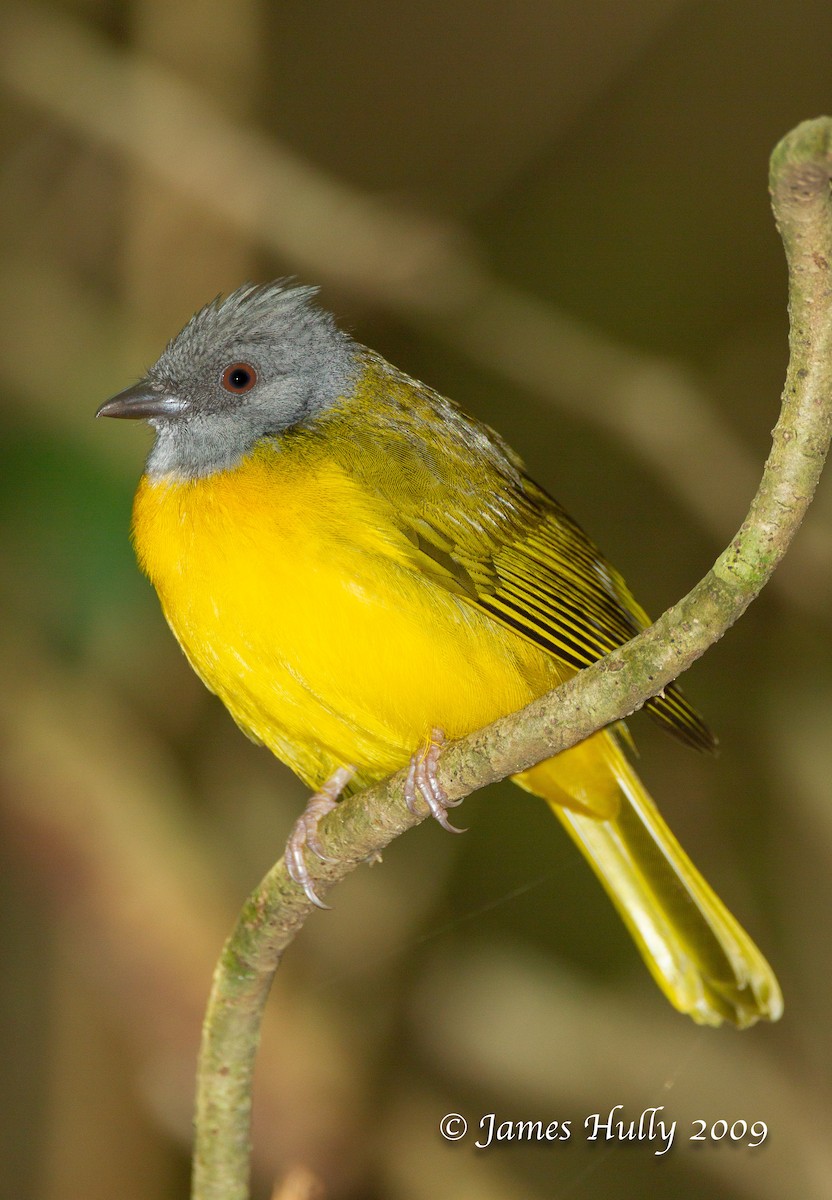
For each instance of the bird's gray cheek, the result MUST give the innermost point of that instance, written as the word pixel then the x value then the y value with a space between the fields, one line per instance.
pixel 302 401
pixel 276 411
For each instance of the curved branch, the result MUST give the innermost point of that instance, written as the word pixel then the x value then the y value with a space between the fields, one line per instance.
pixel 801 171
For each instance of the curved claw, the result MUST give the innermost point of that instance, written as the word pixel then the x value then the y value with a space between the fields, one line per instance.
pixel 298 872
pixel 421 778
pixel 317 807
pixel 304 833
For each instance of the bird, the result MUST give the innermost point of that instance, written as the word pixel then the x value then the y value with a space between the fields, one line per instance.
pixel 359 571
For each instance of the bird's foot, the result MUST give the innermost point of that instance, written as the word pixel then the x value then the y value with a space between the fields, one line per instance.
pixel 421 779
pixel 304 834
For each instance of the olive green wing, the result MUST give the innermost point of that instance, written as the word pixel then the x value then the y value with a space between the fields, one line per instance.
pixel 548 582
pixel 478 525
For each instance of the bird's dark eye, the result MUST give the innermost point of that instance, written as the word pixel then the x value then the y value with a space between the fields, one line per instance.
pixel 239 377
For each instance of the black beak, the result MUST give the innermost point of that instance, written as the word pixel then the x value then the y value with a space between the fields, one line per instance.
pixel 143 401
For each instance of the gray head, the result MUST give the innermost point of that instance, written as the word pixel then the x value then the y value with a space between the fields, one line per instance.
pixel 257 363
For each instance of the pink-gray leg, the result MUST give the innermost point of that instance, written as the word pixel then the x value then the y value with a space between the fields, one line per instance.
pixel 421 778
pixel 304 834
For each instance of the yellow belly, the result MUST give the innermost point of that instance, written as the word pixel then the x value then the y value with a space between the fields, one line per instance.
pixel 297 607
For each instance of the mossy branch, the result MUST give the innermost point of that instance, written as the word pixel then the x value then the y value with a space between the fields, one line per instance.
pixel 801 173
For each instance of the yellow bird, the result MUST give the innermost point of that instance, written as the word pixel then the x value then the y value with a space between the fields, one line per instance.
pixel 352 563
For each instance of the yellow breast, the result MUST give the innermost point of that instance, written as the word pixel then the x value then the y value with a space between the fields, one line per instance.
pixel 290 594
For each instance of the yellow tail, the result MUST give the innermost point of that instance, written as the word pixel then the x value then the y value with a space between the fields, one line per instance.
pixel 699 955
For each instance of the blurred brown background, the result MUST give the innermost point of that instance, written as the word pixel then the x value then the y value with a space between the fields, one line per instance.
pixel 555 212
